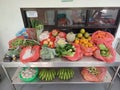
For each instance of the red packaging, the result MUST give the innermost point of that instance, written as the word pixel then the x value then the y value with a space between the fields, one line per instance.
pixel 111 58
pixel 103 37
pixel 14 39
pixel 92 77
pixel 32 56
pixel 31 32
pixel 78 54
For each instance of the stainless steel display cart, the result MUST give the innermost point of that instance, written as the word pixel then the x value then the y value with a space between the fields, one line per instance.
pixel 61 62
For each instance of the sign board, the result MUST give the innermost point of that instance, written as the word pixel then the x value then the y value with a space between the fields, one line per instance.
pixel 31 14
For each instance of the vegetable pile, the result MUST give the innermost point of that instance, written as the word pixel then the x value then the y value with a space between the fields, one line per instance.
pixel 71 46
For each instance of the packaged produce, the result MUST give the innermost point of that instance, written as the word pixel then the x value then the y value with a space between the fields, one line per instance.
pixel 70 37
pixel 28 74
pixel 77 55
pixel 87 47
pixel 29 42
pixel 54 32
pixel 105 52
pixel 44 35
pixel 65 73
pixel 47 53
pixel 94 74
pixel 62 35
pixel 16 42
pixel 48 42
pixel 28 33
pixel 65 50
pixel 20 42
pixel 30 54
pixel 60 41
pixel 102 37
pixel 12 55
pixel 47 74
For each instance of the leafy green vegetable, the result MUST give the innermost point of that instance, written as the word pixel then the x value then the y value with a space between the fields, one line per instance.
pixel 67 50
pixel 102 47
pixel 104 50
pixel 93 70
pixel 28 42
pixel 17 42
pixel 47 53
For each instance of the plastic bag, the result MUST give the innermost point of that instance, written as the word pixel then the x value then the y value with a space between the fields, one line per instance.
pixel 89 76
pixel 28 33
pixel 87 51
pixel 102 37
pixel 78 54
pixel 16 42
pixel 110 58
pixel 30 54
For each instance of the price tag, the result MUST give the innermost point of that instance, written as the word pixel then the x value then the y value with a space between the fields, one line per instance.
pixel 31 14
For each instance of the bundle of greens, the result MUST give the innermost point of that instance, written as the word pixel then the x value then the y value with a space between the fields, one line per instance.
pixel 66 50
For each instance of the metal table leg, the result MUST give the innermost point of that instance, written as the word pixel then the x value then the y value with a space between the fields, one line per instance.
pixel 8 76
pixel 112 81
pixel 115 71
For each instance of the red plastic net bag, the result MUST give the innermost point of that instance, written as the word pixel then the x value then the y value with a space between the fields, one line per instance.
pixel 105 52
pixel 94 74
pixel 103 37
pixel 78 54
pixel 30 54
pixel 88 51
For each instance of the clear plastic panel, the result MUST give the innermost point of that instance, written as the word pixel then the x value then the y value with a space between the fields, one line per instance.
pixel 102 17
pixel 71 17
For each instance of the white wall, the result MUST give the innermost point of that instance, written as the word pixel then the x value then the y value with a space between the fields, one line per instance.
pixel 11 20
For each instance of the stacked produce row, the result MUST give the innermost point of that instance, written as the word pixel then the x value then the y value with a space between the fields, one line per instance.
pixel 45 45
pixel 48 45
pixel 92 74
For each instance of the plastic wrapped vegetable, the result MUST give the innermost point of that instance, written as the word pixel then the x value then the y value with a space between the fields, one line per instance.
pixel 77 55
pixel 48 42
pixel 44 35
pixel 103 37
pixel 30 54
pixel 47 53
pixel 87 51
pixel 94 74
pixel 105 53
pixel 60 41
pixel 16 42
pixel 28 33
pixel 88 48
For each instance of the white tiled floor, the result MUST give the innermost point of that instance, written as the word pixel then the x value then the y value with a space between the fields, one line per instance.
pixel 5 85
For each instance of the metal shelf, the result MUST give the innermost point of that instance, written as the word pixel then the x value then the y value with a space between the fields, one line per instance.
pixel 76 80
pixel 62 62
